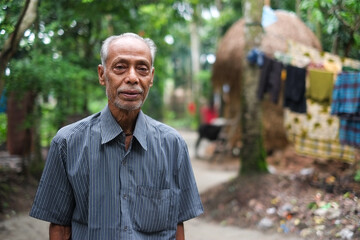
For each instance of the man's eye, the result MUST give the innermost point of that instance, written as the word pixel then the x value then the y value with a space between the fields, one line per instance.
pixel 120 67
pixel 143 69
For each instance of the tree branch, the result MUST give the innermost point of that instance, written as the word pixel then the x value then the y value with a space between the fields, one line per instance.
pixel 26 18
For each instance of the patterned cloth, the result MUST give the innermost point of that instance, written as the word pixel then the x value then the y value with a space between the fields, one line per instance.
pixel 322 149
pixel 316 133
pixel 346 104
pixel 346 95
pixel 317 123
pixel 350 132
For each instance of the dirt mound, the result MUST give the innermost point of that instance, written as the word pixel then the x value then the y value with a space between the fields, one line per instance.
pixel 303 196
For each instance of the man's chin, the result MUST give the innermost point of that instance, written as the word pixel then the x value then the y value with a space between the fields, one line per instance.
pixel 128 107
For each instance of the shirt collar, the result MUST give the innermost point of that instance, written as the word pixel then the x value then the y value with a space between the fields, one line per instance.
pixel 110 129
pixel 141 130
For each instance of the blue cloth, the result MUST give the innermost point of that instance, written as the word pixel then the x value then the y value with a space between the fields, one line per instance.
pixel 346 104
pixel 255 56
pixel 349 132
pixel 268 16
pixel 3 102
pixel 105 192
pixel 346 95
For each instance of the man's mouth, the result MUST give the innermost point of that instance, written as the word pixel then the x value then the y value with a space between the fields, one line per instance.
pixel 130 94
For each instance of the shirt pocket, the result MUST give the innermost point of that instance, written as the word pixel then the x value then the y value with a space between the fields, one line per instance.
pixel 152 209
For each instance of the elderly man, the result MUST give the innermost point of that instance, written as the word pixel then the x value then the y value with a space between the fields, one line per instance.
pixel 119 174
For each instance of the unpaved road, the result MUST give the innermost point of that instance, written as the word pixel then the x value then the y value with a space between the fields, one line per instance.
pixel 22 227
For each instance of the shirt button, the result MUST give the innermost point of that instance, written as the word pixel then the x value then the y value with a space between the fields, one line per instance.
pixel 125 228
pixel 124 196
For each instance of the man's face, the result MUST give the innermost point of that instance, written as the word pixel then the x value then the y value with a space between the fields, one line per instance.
pixel 128 75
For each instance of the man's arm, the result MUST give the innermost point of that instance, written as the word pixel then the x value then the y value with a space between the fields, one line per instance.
pixel 59 232
pixel 180 234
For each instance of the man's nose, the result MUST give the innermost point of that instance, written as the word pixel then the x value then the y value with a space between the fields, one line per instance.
pixel 132 77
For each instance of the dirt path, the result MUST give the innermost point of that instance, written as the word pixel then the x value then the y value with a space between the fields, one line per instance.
pixel 208 176
pixel 22 227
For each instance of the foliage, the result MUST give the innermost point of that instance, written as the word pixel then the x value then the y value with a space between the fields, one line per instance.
pixel 51 79
pixel 3 129
pixel 65 41
pixel 180 123
pixel 204 82
pixel 337 24
pixel 9 14
pixel 59 55
pixel 357 176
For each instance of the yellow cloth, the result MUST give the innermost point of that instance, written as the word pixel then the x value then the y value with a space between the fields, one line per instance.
pixel 320 85
pixel 322 149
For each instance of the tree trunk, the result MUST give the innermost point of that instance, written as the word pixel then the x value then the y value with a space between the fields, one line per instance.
pixel 297 8
pixel 19 135
pixel 26 18
pixel 195 60
pixel 252 156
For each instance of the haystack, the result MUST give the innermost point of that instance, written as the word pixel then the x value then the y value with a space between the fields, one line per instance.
pixel 228 67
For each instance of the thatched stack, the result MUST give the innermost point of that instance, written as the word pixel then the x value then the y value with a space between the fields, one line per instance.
pixel 228 66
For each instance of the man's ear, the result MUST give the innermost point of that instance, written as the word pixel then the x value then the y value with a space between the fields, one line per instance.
pixel 101 75
pixel 152 77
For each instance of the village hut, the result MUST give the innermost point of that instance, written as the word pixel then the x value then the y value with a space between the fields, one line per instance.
pixel 227 71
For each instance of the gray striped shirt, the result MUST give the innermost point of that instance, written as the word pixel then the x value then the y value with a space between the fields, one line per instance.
pixel 105 192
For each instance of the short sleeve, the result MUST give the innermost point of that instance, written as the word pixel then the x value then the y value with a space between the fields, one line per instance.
pixel 190 205
pixel 54 200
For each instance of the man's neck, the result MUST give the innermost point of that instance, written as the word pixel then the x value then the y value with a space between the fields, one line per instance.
pixel 126 119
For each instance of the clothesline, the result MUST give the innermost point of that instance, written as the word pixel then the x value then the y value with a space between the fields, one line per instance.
pixel 308 94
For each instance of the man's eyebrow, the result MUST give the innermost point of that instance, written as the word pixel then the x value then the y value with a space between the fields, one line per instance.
pixel 137 61
pixel 141 61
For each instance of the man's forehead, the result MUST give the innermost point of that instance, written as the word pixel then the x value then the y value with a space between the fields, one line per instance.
pixel 129 41
pixel 130 44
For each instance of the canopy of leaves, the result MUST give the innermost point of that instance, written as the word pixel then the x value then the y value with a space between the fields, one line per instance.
pixel 59 54
pixel 339 24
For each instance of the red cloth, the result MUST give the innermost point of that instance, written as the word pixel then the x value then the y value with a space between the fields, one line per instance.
pixel 208 114
pixel 192 108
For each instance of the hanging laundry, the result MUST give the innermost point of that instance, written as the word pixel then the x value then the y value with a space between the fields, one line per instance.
pixel 346 95
pixel 316 133
pixel 350 132
pixel 317 123
pixel 332 66
pixel 322 149
pixel 298 50
pixel 294 90
pixel 268 16
pixel 320 86
pixel 346 104
pixel 270 79
pixel 351 64
pixel 349 69
pixel 325 131
pixel 255 56
pixel 284 58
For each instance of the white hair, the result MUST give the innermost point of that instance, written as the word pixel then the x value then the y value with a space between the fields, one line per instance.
pixel 105 46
